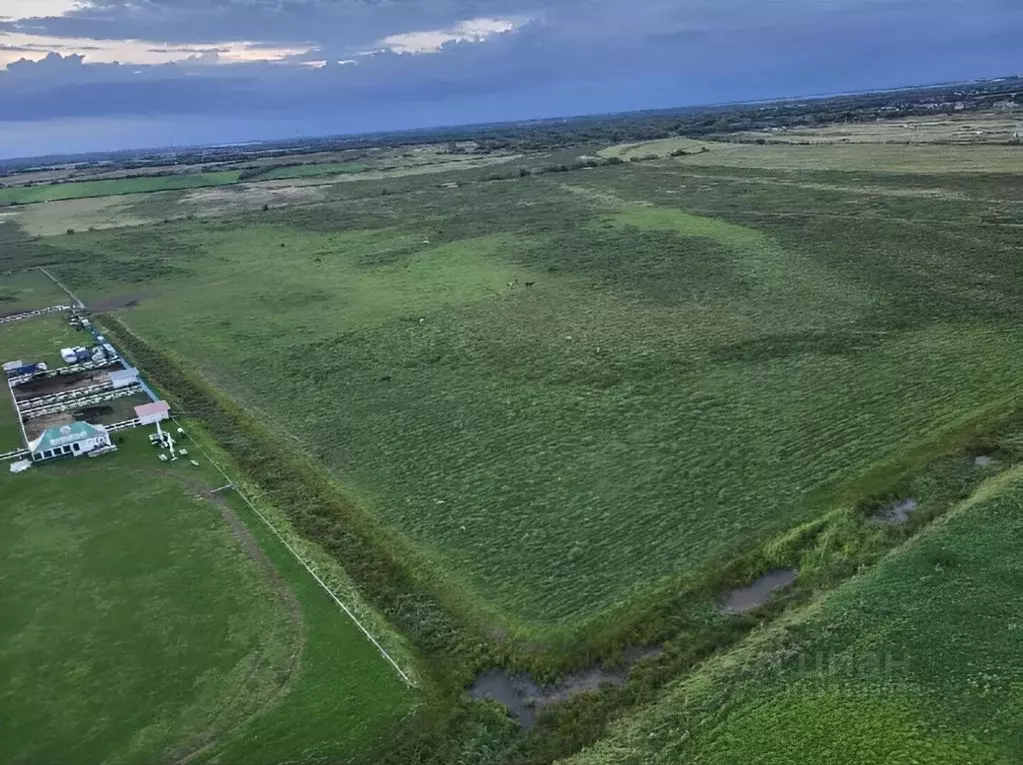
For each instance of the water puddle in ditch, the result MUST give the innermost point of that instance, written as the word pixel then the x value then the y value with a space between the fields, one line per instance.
pixel 743 599
pixel 897 512
pixel 523 695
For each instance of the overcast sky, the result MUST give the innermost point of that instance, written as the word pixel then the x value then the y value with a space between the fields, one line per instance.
pixel 83 75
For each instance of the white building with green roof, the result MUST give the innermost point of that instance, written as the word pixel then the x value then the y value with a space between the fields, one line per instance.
pixel 71 440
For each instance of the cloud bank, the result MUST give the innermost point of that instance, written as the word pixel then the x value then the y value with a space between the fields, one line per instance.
pixel 106 73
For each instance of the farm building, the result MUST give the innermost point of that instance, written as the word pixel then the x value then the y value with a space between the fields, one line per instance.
pixel 125 377
pixel 149 414
pixel 73 440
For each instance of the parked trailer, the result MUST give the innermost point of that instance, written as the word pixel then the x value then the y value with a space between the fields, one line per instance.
pixel 77 369
pixel 26 369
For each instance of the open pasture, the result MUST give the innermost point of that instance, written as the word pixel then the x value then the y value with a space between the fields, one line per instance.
pixel 59 216
pixel 871 157
pixel 114 187
pixel 27 291
pixel 38 339
pixel 917 660
pixel 563 390
pixel 312 170
pixel 983 128
pixel 148 620
pixel 134 623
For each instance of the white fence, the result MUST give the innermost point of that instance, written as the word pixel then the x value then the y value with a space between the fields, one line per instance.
pixel 78 402
pixel 14 455
pixel 37 312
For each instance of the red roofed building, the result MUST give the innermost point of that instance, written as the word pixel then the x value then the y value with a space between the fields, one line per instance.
pixel 149 414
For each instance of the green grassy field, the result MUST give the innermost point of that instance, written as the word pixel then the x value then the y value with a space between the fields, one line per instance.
pixel 709 356
pixel 567 412
pixel 82 189
pixel 918 660
pixel 311 170
pixel 142 626
pixel 146 620
pixel 22 340
pixel 133 621
pixel 913 158
pixel 28 290
pixel 39 339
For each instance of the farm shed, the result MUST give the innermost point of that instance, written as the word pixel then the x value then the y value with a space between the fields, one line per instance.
pixel 73 440
pixel 149 414
pixel 124 377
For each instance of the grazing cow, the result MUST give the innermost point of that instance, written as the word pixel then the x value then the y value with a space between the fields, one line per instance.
pixel 385 378
pixel 530 284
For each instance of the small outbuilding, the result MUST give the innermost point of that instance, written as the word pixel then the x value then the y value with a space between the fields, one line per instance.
pixel 150 414
pixel 122 378
pixel 72 440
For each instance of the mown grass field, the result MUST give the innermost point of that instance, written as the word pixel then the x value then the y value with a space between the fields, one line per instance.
pixel 890 158
pixel 132 620
pixel 918 660
pixel 39 339
pixel 992 128
pixel 28 290
pixel 148 620
pixel 140 627
pixel 57 216
pixel 567 412
pixel 708 356
pixel 312 170
pixel 114 187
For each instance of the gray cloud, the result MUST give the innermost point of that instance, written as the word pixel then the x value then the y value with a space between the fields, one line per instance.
pixel 274 22
pixel 573 56
pixel 354 23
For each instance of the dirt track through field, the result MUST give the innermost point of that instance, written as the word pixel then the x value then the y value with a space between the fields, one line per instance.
pixel 204 741
pixel 201 742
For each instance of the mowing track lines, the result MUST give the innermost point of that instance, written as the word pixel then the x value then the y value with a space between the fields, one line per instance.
pixel 383 652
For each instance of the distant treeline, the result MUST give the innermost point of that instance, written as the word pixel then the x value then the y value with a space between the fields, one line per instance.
pixel 545 135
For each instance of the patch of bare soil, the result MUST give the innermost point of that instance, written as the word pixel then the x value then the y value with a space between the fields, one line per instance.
pixel 61 384
pixel 117 302
pixel 35 427
pixel 223 199
pixel 90 413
